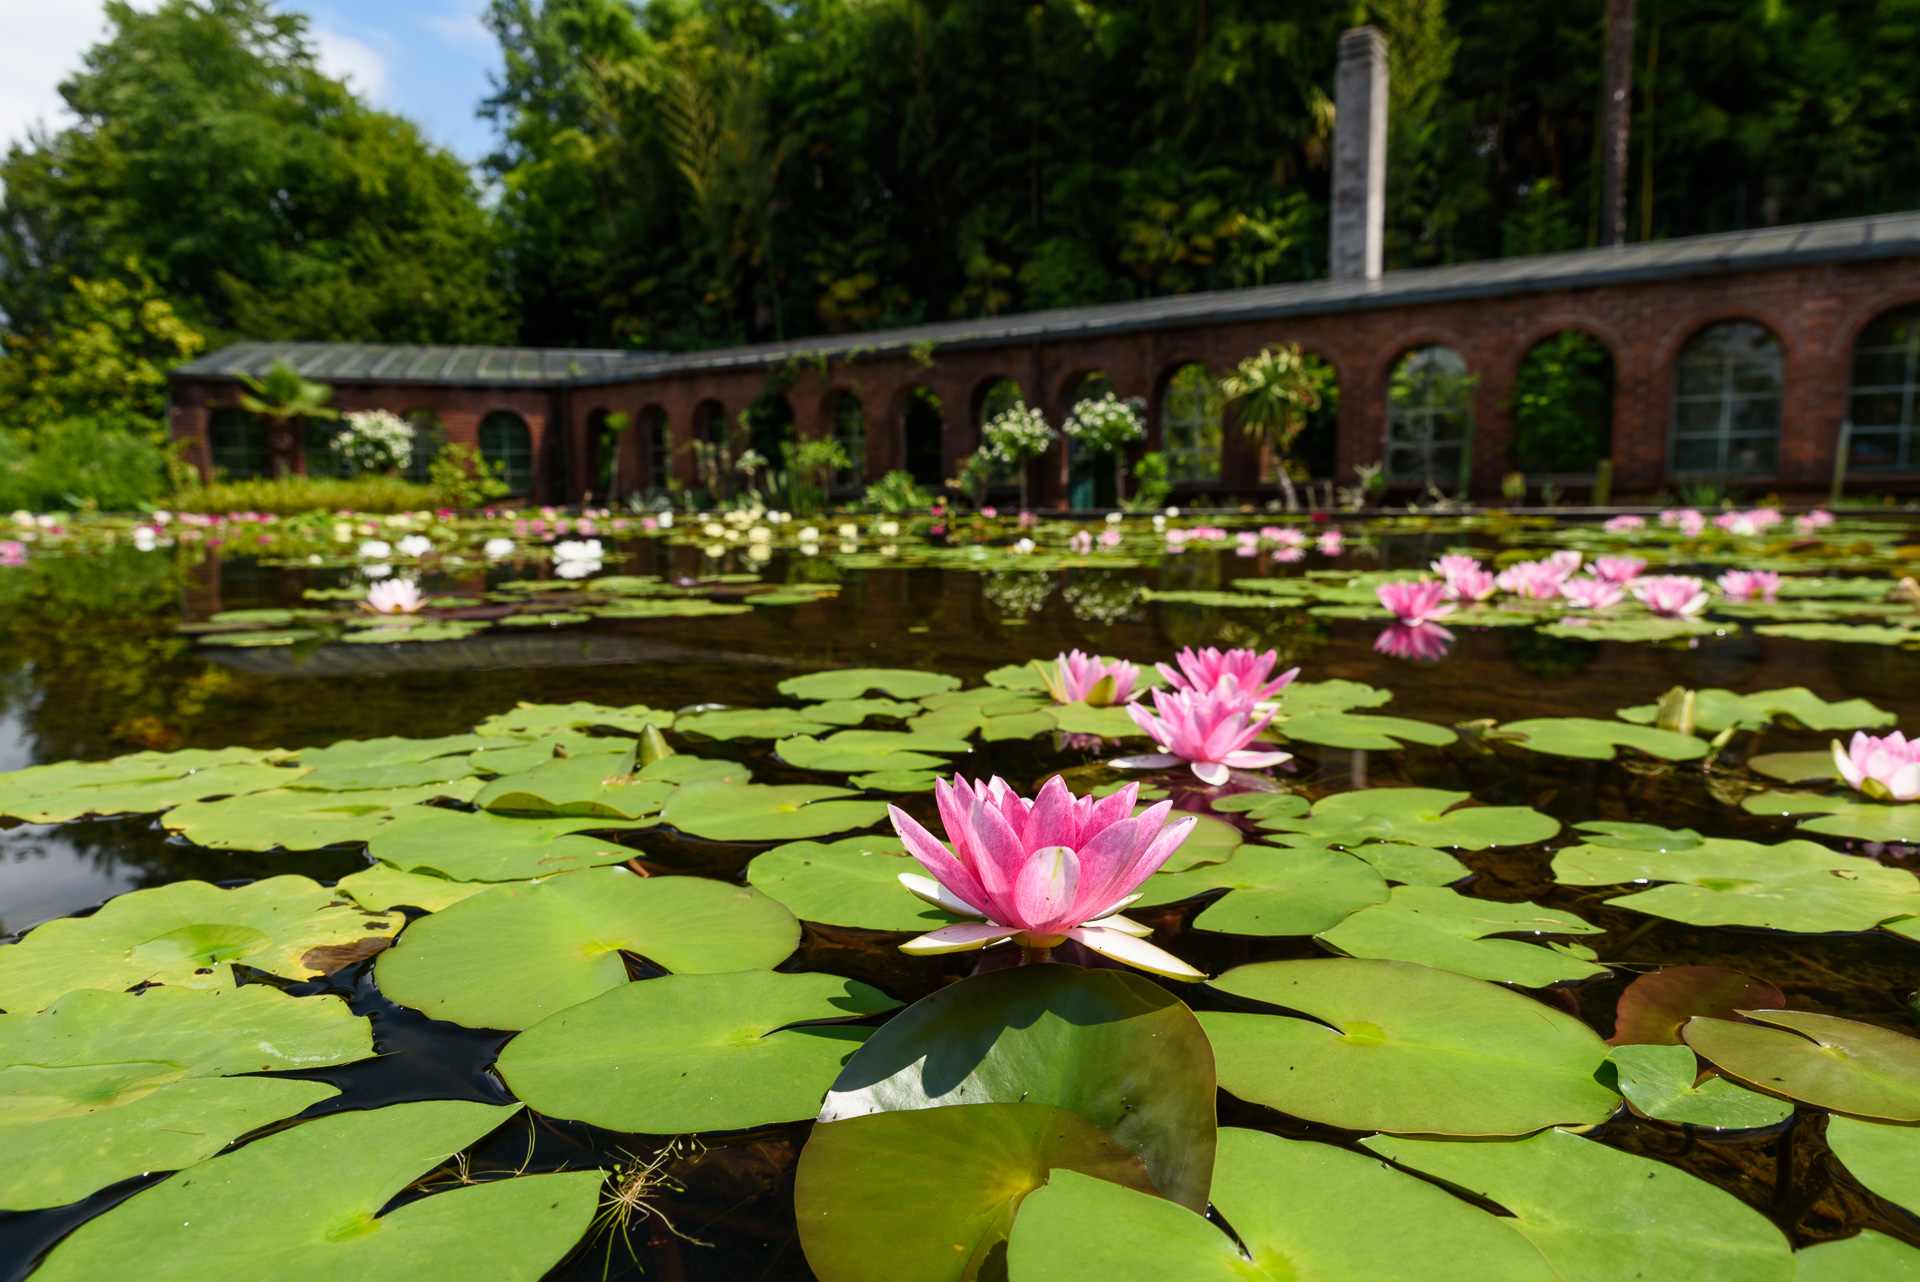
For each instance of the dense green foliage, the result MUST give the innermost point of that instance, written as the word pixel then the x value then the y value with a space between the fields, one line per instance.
pixel 1563 404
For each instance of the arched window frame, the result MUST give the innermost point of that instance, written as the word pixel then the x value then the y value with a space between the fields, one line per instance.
pixel 1430 422
pixel 1720 406
pixel 1192 425
pixel 506 439
pixel 1883 394
pixel 848 422
pixel 237 445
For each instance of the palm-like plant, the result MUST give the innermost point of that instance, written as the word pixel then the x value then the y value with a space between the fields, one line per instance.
pixel 283 399
pixel 1275 390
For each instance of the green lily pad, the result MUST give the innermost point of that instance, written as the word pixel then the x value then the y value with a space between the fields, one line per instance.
pixel 1659 1081
pixel 103 1086
pixel 381 887
pixel 508 756
pixel 1715 709
pixel 1823 1060
pixel 390 751
pixel 260 640
pixel 1842 816
pixel 1646 627
pixel 1352 730
pixel 687 1053
pixel 1260 805
pixel 1866 1255
pixel 750 723
pixel 857 751
pixel 930 1195
pixel 546 619
pixel 851 882
pixel 1079 718
pixel 1595 740
pixel 852 683
pixel 1111 1047
pixel 402 775
pixel 1302 697
pixel 135 783
pixel 1410 1049
pixel 304 1206
pixel 896 781
pixel 1274 891
pixel 489 847
pixel 528 720
pixel 1849 634
pixel 1794 767
pixel 290 819
pixel 722 811
pixel 602 785
pixel 852 712
pixel 385 632
pixel 1885 1159
pixel 1301 1210
pixel 1413 865
pixel 1655 1006
pixel 1016 676
pixel 190 934
pixel 1793 885
pixel 1623 834
pixel 668 608
pixel 1419 816
pixel 997 713
pixel 517 952
pixel 1212 841
pixel 1435 926
pixel 1600 1215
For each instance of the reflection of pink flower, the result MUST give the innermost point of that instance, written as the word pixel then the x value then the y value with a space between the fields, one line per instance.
pixel 1592 594
pixel 1110 538
pixel 1420 602
pixel 1041 872
pixel 1028 520
pixel 1209 730
pixel 12 552
pixel 1076 678
pixel 1742 585
pixel 1625 524
pixel 990 512
pixel 1886 768
pixel 1203 670
pixel 1288 537
pixel 1671 596
pixel 1536 580
pixel 393 596
pixel 1618 569
pixel 1814 520
pixel 1287 556
pixel 1332 543
pixel 1414 641
pixel 1248 544
pixel 1081 543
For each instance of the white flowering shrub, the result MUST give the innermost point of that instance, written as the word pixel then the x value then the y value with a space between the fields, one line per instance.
pixel 1018 434
pixel 375 441
pixel 1107 423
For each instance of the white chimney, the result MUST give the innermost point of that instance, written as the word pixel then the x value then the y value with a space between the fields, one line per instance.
pixel 1360 155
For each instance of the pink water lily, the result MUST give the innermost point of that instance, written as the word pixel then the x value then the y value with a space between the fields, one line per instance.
pixel 1671 596
pixel 1472 585
pixel 1203 670
pixel 1084 678
pixel 1420 602
pixel 1566 560
pixel 1592 594
pixel 1618 569
pixel 1209 730
pixel 1451 564
pixel 1535 580
pixel 1883 767
pixel 1625 523
pixel 1414 641
pixel 1745 585
pixel 393 596
pixel 1041 872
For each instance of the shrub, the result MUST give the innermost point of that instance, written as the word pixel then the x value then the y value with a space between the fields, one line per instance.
pixel 290 495
pixel 460 476
pixel 896 493
pixel 74 464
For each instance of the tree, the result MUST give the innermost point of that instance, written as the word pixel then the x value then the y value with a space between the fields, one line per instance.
pixel 270 200
pixel 285 400
pixel 1274 391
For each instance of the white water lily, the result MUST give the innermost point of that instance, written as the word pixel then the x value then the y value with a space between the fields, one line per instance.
pixel 578 550
pixel 375 550
pixel 379 570
pixel 144 538
pixel 498 548
pixel 396 596
pixel 416 545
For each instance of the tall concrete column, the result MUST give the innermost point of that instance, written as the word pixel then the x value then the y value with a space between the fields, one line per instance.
pixel 1360 155
pixel 1615 118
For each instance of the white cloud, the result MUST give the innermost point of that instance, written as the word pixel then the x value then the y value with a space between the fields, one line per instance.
pixel 353 61
pixel 462 24
pixel 43 43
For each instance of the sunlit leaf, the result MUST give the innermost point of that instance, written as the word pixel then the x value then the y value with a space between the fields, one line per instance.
pixel 1842 816
pixel 722 811
pixel 1659 1081
pixel 851 882
pixel 1823 1060
pixel 1595 740
pixel 1655 1006
pixel 487 847
pixel 1435 926
pixel 1420 816
pixel 852 683
pixel 1273 891
pixel 1885 1159
pixel 1714 710
pixel 529 720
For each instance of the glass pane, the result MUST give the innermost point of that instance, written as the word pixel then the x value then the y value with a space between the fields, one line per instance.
pixel 1876 409
pixel 1752 454
pixel 1694 418
pixel 1756 377
pixel 1761 414
pixel 1700 375
pixel 1874 449
pixel 1881 369
pixel 1696 456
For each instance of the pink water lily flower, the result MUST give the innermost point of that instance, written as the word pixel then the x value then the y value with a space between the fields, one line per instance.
pixel 1414 641
pixel 1453 563
pixel 1420 602
pixel 1566 560
pixel 1204 670
pixel 393 596
pixel 1472 585
pixel 1885 768
pixel 1671 596
pixel 1592 594
pixel 1535 580
pixel 1625 523
pixel 1332 543
pixel 1085 678
pixel 1744 585
pixel 1209 730
pixel 1618 569
pixel 1041 872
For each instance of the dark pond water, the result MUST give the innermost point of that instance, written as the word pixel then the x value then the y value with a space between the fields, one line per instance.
pixel 91 667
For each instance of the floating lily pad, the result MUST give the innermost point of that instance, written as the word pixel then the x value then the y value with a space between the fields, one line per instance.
pixel 996 713
pixel 1413 865
pixel 851 882
pixel 852 683
pixel 103 1086
pixel 1885 1159
pixel 1660 1082
pixel 136 783
pixel 851 712
pixel 1600 1215
pixel 930 1195
pixel 1823 1060
pixel 1356 731
pixel 1595 740
pixel 305 1206
pixel 1655 1006
pixel 546 619
pixel 1714 710
pixel 1792 885
pixel 1849 634
pixel 669 608
pixel 1212 841
pixel 687 1053
pixel 426 630
pixel 1111 1047
pixel 1794 767
pixel 189 934
pixel 1438 927
pixel 1866 1255
pixel 1301 1210
pixel 528 720
pixel 896 781
pixel 1421 816
pixel 857 751
pixel 722 811
pixel 490 847
pixel 1260 805
pixel 401 775
pixel 260 640
pixel 1274 891
pixel 1410 1049
pixel 1644 627
pixel 381 887
pixel 750 723
pixel 1842 816
pixel 516 953
pixel 390 751
pixel 601 785
pixel 289 819
pixel 1079 718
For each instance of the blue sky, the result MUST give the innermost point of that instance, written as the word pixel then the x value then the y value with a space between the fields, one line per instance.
pixel 426 59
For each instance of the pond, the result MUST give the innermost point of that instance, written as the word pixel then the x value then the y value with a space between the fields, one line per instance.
pixel 548 923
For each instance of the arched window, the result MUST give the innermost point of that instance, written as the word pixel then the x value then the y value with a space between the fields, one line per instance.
pixel 1089 476
pixel 1884 402
pixel 1190 418
pixel 924 426
pixel 850 430
pixel 997 397
pixel 429 438
pixel 770 425
pixel 506 442
pixel 710 423
pixel 1726 402
pixel 1563 405
pixel 658 443
pixel 237 445
pixel 1429 417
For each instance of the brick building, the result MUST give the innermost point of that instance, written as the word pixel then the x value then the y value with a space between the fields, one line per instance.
pixel 1745 358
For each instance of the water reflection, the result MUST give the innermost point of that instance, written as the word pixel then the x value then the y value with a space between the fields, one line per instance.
pixel 1425 642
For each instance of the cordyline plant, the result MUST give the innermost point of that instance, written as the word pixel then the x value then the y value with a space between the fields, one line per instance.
pixel 1274 391
pixel 283 399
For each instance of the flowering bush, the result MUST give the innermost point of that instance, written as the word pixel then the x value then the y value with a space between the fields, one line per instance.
pixel 1015 435
pixel 1107 423
pixel 375 441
